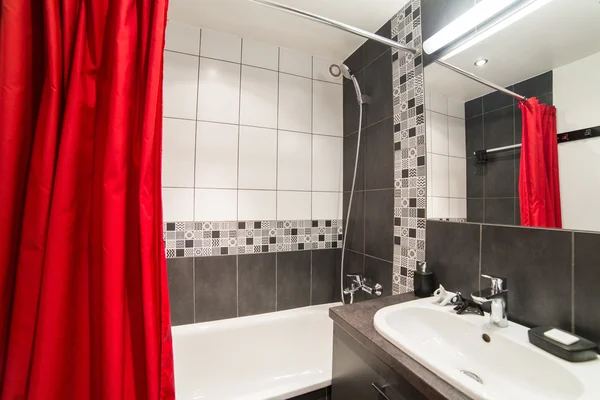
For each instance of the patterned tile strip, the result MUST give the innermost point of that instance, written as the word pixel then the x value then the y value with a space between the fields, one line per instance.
pixel 409 144
pixel 203 239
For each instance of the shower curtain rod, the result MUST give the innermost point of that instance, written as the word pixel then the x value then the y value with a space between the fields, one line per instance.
pixel 381 39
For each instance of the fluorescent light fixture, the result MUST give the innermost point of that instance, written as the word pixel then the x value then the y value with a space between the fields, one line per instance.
pixel 474 17
pixel 481 62
pixel 522 12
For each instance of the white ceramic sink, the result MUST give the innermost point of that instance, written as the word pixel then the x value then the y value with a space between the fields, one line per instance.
pixel 509 367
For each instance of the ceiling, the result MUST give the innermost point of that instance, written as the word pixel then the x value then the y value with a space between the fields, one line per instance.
pixel 250 20
pixel 559 33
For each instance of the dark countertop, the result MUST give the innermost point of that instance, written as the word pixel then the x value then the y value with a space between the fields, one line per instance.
pixel 357 319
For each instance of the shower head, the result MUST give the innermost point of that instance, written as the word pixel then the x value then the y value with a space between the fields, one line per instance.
pixel 342 69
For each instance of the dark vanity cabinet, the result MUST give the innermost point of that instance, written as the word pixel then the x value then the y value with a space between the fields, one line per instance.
pixel 360 375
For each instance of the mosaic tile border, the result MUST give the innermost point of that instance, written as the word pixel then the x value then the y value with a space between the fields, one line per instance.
pixel 204 239
pixel 410 197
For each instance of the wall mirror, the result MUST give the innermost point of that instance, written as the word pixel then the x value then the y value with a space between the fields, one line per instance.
pixel 544 49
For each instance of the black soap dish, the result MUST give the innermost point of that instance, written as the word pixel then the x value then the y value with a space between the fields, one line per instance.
pixel 583 350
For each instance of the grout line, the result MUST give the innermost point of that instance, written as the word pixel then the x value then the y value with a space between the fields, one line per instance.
pixel 573 282
pixel 480 251
pixel 194 172
pixel 277 149
pixel 237 205
pixel 312 141
pixel 310 299
pixel 237 285
pixel 276 267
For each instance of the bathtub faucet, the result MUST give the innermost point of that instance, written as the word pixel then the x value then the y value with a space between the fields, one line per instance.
pixel 359 283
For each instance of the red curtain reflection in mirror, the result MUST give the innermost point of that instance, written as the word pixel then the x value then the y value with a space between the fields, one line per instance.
pixel 539 186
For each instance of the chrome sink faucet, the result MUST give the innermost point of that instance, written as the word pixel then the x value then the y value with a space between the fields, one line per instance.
pixel 359 283
pixel 497 295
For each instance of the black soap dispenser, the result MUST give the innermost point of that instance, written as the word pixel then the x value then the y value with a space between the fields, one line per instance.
pixel 423 281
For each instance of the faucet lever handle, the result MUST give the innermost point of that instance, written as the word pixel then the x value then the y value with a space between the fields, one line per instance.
pixel 498 284
pixel 356 277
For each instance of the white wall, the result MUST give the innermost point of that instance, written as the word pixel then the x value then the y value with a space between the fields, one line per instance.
pixel 446 157
pixel 251 131
pixel 577 101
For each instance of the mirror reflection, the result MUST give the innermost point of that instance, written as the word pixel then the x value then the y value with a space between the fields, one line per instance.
pixel 494 158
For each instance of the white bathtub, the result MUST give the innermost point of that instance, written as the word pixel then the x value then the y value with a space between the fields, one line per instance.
pixel 269 356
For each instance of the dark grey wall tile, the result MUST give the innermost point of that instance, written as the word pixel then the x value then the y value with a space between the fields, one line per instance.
pixel 497 100
pixel 537 264
pixel 216 287
pixel 475 210
pixel 474 134
pixel 452 253
pixel 587 277
pixel 293 279
pixel 256 283
pixel 356 60
pixel 379 271
pixel 372 49
pixel 379 223
pixel 349 160
pixel 378 77
pixel 517 212
pixel 536 86
pixel 499 211
pixel 351 107
pixel 475 176
pixel 325 276
pixel 180 272
pixel 474 107
pixel 355 239
pixel 379 155
pixel 500 175
pixel 498 128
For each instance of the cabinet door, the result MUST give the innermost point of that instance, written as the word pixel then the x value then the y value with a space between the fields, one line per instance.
pixel 358 374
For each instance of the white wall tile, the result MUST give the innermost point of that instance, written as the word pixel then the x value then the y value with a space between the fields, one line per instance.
pixel 457 145
pixel 457 177
pixel 321 70
pixel 216 155
pixel 457 208
pixel 428 137
pixel 441 207
pixel 178 152
pixel 182 38
pixel 219 91
pixel 429 207
pixel 295 100
pixel 260 54
pixel 456 108
pixel 327 205
pixel 257 205
pixel 439 133
pixel 178 204
pixel 293 205
pixel 258 97
pixel 439 175
pixel 429 175
pixel 257 158
pixel 295 62
pixel 294 152
pixel 438 103
pixel 427 100
pixel 327 108
pixel 216 205
pixel 327 163
pixel 221 46
pixel 180 85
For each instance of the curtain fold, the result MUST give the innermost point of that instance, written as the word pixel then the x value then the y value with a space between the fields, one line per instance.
pixel 539 187
pixel 84 311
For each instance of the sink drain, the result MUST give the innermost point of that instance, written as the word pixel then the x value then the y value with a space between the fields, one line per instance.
pixel 472 376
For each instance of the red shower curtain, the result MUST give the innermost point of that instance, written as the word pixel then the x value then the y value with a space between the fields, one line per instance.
pixel 84 310
pixel 539 187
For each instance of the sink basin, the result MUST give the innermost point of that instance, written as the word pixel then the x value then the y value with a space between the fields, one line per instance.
pixel 481 360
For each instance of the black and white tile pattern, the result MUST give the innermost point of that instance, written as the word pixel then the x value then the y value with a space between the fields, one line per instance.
pixel 203 239
pixel 410 197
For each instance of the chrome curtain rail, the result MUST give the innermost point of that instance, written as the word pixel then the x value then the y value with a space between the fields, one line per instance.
pixel 381 39
pixel 336 24
pixel 480 80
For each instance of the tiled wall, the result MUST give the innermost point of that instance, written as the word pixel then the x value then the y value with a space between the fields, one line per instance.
pixel 446 158
pixel 552 274
pixel 370 227
pixel 252 132
pixel 494 120
pixel 252 163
